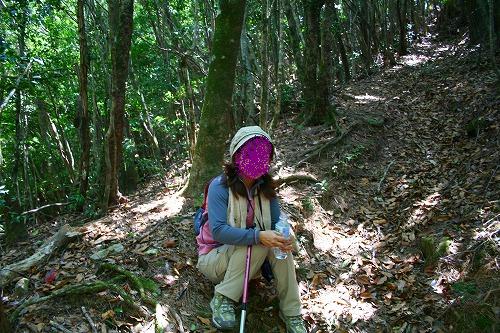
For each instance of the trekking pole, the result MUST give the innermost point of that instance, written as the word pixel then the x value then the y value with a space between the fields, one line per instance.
pixel 245 289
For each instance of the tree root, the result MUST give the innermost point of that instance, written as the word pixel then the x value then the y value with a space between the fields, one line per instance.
pixel 80 289
pixel 138 283
pixel 295 177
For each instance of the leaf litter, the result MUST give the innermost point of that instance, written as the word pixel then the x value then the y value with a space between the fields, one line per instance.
pixel 360 261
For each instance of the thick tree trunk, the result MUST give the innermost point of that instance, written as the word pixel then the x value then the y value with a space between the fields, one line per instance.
pixel 325 78
pixel 214 129
pixel 401 12
pixel 312 10
pixel 84 166
pixel 364 35
pixel 120 28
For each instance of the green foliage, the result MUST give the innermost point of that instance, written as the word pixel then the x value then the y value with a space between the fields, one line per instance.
pixel 471 312
pixel 432 251
pixel 348 160
pixel 76 201
pixel 474 126
pixel 376 122
pixel 307 205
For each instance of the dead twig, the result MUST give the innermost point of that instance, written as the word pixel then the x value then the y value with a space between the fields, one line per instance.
pixel 150 231
pixel 89 319
pixel 178 319
pixel 383 177
pixel 46 206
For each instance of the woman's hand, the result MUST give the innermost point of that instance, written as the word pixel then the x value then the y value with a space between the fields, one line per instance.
pixel 271 238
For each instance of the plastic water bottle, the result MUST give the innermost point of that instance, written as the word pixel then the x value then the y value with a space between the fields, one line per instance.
pixel 283 227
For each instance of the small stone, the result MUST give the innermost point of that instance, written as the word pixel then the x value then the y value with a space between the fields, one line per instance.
pixel 22 287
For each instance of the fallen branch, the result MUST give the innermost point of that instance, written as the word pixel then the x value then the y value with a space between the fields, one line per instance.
pixel 58 240
pixel 317 150
pixel 299 177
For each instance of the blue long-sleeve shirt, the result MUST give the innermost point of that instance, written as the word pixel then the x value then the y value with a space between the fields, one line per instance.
pixel 222 232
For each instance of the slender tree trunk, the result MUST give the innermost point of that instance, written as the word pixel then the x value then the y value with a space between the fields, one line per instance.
pixel 278 61
pixel 340 45
pixel 264 94
pixel 248 88
pixel 120 29
pixel 53 132
pixel 84 166
pixel 191 114
pixel 209 23
pixel 295 36
pixel 214 129
pixel 389 59
pixel 145 117
pixel 16 230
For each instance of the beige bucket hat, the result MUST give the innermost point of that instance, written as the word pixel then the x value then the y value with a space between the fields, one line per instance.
pixel 243 135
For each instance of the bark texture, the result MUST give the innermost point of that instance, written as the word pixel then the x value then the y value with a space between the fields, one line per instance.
pixel 216 111
pixel 120 23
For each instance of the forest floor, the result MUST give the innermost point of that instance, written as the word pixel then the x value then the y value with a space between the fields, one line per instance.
pixel 400 234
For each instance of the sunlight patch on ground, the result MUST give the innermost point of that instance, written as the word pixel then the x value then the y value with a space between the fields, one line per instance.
pixel 422 210
pixel 363 99
pixel 350 245
pixel 414 59
pixel 335 302
pixel 169 205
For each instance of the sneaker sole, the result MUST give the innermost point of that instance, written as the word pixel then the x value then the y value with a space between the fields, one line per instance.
pixel 216 324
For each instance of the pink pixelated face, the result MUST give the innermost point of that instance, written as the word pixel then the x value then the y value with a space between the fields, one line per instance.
pixel 253 158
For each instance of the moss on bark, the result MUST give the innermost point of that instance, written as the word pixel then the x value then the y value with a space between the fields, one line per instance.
pixel 216 112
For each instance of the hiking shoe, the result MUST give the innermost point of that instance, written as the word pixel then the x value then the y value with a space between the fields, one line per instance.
pixel 223 316
pixel 294 324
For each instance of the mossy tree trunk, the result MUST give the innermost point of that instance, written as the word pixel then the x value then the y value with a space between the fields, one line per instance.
pixel 216 112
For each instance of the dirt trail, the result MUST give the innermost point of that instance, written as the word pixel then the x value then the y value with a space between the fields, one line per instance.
pixel 413 167
pixel 423 174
